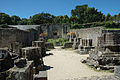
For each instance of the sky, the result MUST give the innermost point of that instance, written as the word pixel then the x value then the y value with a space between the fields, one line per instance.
pixel 27 8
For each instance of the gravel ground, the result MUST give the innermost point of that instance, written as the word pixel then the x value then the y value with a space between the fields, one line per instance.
pixel 65 64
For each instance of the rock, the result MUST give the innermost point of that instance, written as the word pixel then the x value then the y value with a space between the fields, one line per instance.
pixel 6 61
pixel 83 61
pixel 21 63
pixel 117 71
pixel 98 68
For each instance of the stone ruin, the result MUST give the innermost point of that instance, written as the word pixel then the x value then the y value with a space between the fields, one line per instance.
pixel 40 44
pixel 85 46
pixel 68 45
pixel 28 65
pixel 20 61
pixel 76 43
pixel 101 45
pixel 6 62
pixel 35 54
pixel 107 53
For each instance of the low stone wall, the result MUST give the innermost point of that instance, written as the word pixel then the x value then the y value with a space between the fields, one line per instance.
pixel 68 45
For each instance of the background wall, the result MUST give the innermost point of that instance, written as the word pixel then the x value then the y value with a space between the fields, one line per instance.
pixel 89 33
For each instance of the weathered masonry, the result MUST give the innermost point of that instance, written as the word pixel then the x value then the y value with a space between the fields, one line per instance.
pixel 103 46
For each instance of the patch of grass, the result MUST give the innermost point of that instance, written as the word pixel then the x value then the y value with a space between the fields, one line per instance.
pixel 61 40
pixel 112 28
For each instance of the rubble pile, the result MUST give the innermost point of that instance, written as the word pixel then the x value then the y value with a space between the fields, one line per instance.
pixel 107 53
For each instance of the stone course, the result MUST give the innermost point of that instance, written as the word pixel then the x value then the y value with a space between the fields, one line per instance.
pixel 68 45
pixel 40 44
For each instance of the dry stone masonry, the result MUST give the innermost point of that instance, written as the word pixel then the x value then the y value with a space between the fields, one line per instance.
pixel 40 44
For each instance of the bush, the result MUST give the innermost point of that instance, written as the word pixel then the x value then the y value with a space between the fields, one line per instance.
pixel 61 40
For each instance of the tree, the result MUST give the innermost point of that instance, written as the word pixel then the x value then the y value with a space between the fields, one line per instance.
pixel 74 19
pixel 65 19
pixel 108 17
pixel 58 19
pixel 86 14
pixel 23 21
pixel 5 19
pixel 41 18
pixel 15 19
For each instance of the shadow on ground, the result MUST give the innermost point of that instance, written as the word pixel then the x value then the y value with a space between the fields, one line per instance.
pixel 48 54
pixel 47 67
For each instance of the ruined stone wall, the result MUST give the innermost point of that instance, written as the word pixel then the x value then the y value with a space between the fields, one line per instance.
pixel 61 29
pixel 11 35
pixel 89 33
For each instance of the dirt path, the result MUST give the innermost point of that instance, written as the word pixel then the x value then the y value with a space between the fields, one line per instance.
pixel 65 65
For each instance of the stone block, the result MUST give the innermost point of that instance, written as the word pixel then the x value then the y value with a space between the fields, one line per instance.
pixel 25 73
pixel 75 45
pixel 41 76
pixel 117 71
pixel 31 53
pixel 6 61
pixel 40 44
pixel 15 47
pixel 68 45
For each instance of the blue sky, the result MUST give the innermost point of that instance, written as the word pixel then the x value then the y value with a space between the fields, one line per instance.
pixel 27 8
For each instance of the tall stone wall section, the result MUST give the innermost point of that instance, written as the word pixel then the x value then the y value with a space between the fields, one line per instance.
pixel 61 29
pixel 11 35
pixel 88 33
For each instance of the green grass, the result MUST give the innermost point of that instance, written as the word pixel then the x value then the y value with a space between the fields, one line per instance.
pixel 112 28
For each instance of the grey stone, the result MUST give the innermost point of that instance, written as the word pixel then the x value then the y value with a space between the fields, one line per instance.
pixel 68 45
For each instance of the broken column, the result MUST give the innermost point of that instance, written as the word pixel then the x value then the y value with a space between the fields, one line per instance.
pixel 40 44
